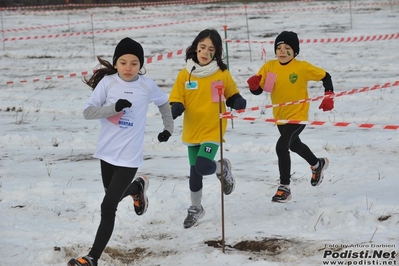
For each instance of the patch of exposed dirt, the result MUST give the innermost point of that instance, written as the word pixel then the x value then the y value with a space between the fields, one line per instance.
pixel 273 245
pixel 117 255
pixel 273 249
pixel 127 256
pixel 77 158
pixel 262 249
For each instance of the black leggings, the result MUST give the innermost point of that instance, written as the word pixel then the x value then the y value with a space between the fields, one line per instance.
pixel 203 166
pixel 116 181
pixel 289 140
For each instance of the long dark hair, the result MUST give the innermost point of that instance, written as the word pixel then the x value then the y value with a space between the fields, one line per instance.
pixel 217 42
pixel 100 72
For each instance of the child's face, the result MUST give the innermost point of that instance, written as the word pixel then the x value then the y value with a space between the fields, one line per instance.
pixel 205 51
pixel 284 53
pixel 128 66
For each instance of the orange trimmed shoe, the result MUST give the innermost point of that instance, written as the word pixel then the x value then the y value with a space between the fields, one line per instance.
pixel 83 261
pixel 317 173
pixel 283 195
pixel 140 200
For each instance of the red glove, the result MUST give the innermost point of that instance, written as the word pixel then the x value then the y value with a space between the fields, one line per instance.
pixel 328 103
pixel 253 82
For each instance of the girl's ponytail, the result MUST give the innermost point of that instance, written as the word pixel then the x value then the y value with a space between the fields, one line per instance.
pixel 99 73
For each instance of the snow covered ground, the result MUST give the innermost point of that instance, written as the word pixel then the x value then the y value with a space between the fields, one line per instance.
pixel 50 186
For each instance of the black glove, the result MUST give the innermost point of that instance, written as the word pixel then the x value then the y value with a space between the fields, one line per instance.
pixel 236 102
pixel 164 136
pixel 122 103
pixel 177 109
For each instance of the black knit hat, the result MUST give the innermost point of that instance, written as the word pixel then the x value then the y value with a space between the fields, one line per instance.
pixel 128 46
pixel 290 38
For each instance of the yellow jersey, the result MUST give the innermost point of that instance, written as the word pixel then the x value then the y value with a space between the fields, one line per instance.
pixel 201 117
pixel 291 84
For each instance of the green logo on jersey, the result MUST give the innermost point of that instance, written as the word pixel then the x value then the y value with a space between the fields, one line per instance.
pixel 293 78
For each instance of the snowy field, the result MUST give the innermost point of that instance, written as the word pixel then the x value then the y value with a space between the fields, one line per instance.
pixel 51 189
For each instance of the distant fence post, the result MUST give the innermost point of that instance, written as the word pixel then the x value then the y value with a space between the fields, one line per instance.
pixel 69 24
pixel 249 42
pixel 92 34
pixel 2 27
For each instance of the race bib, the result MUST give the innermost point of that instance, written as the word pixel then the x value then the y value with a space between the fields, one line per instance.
pixel 191 85
pixel 269 83
pixel 215 91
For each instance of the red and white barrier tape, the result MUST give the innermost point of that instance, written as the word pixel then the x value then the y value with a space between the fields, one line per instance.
pixel 83 73
pixel 149 60
pixel 319 123
pixel 163 56
pixel 175 14
pixel 378 37
pixel 99 20
pixel 180 52
pixel 84 33
pixel 163 3
pixel 71 34
pixel 44 27
pixel 136 4
pixel 338 94
pixel 230 115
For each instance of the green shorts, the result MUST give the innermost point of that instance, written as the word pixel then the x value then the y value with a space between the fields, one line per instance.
pixel 207 150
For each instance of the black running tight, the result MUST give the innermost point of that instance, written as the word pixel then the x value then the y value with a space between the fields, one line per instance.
pixel 116 181
pixel 289 140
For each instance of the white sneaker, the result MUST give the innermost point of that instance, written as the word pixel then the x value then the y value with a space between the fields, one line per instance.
pixel 194 214
pixel 229 180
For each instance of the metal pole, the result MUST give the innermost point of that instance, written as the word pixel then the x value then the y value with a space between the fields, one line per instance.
pixel 220 91
pixel 227 58
pixel 249 42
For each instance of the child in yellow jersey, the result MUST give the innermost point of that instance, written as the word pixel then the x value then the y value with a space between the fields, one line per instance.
pixel 195 93
pixel 286 79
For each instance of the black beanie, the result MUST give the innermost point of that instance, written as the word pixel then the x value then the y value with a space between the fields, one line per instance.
pixel 128 46
pixel 290 38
